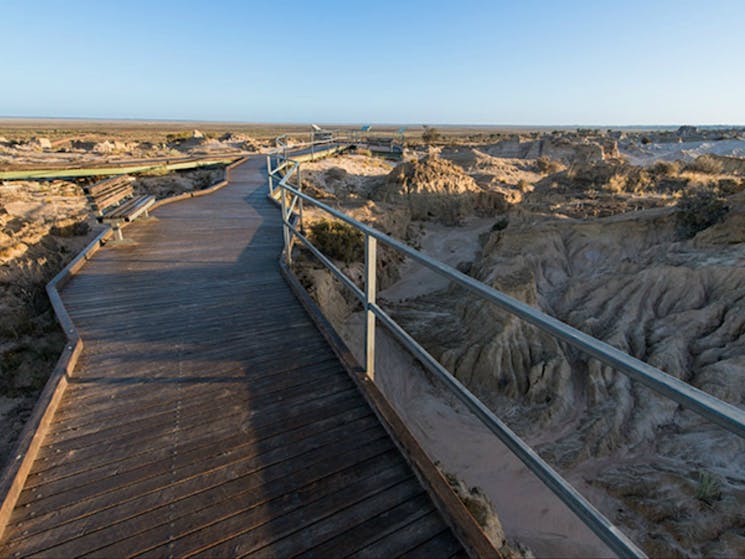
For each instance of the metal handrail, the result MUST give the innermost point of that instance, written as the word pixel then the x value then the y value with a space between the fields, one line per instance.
pixel 723 414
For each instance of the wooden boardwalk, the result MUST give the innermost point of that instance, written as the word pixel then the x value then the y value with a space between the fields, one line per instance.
pixel 207 415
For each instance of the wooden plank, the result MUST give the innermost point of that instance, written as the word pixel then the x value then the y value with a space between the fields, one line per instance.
pixel 231 536
pixel 163 415
pixel 103 185
pixel 141 207
pixel 443 544
pixel 356 536
pixel 110 198
pixel 252 473
pixel 130 209
pixel 121 210
pixel 298 532
pixel 197 437
pixel 114 492
pixel 111 190
pixel 87 454
pixel 192 449
pixel 194 523
pixel 71 417
pixel 404 540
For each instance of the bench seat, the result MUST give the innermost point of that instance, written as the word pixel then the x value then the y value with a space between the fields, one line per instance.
pixel 129 210
pixel 113 202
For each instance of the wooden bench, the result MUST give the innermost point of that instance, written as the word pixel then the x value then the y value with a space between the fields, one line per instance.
pixel 113 202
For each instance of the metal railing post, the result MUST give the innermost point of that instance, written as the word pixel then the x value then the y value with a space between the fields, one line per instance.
pixel 285 225
pixel 371 249
pixel 300 200
pixel 269 172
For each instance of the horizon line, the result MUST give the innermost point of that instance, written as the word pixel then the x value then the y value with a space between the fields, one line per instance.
pixel 358 123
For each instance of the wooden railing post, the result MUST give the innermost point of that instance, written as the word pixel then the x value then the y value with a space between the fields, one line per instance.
pixel 371 248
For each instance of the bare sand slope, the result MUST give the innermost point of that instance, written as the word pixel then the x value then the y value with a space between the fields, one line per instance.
pixel 528 511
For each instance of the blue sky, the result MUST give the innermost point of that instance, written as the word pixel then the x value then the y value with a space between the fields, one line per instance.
pixel 465 61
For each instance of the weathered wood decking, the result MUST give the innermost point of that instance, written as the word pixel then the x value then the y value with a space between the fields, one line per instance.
pixel 207 414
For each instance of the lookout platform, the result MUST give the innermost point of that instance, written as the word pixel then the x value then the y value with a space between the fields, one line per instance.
pixel 208 415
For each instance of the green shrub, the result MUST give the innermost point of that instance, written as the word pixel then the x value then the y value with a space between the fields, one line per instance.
pixel 699 209
pixel 709 488
pixel 431 134
pixel 338 240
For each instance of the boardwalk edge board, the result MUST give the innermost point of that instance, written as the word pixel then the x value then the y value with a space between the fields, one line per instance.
pixel 29 442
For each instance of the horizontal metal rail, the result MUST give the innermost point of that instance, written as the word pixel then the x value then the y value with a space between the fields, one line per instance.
pixel 585 511
pixel 726 415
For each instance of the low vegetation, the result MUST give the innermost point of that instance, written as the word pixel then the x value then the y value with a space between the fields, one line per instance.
pixel 709 488
pixel 338 240
pixel 698 209
pixel 431 135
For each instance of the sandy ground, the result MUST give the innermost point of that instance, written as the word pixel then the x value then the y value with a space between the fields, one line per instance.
pixel 452 436
pixel 451 245
pixel 529 512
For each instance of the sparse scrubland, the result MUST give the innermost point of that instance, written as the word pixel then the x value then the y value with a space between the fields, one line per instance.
pixel 647 258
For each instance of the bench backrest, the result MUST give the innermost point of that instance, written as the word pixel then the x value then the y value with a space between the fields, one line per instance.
pixel 109 192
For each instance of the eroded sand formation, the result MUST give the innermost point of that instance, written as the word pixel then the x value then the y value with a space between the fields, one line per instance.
pixel 600 244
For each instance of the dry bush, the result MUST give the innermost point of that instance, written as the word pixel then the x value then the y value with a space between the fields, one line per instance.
pixel 431 134
pixel 335 174
pixel 730 186
pixel 666 168
pixel 179 136
pixel 698 209
pixel 338 240
pixel 547 166
pixel 706 164
pixel 616 184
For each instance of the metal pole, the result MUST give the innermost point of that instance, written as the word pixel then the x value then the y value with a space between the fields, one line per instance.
pixel 300 200
pixel 285 228
pixel 269 172
pixel 371 249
